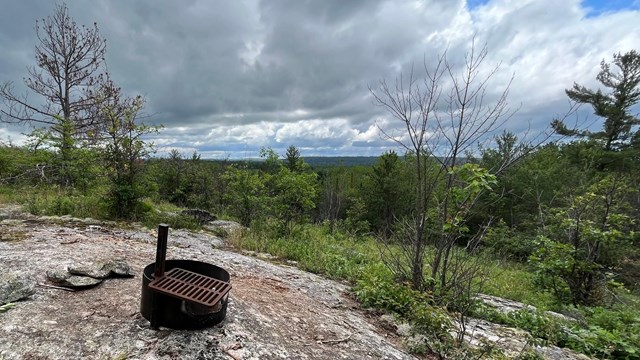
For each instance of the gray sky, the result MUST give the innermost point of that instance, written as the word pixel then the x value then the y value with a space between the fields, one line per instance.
pixel 228 77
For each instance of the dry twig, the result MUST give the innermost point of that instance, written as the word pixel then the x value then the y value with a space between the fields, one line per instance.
pixel 56 287
pixel 335 341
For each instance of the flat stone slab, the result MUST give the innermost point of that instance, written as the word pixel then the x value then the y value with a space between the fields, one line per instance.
pixel 14 287
pixel 83 275
pixel 103 270
pixel 64 278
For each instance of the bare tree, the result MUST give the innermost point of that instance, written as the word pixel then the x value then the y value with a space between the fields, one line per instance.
pixel 443 116
pixel 69 68
pixel 331 205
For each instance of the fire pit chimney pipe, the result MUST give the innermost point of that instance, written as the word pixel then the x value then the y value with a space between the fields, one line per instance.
pixel 161 251
pixel 161 256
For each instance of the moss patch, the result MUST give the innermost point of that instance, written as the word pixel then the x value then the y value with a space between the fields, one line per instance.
pixel 9 235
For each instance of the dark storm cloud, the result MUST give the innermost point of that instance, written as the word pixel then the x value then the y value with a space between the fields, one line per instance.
pixel 227 77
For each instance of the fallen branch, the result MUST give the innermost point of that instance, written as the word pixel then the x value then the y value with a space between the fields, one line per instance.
pixel 6 307
pixel 56 287
pixel 67 242
pixel 336 341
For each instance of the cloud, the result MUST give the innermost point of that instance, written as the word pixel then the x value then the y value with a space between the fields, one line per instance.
pixel 227 77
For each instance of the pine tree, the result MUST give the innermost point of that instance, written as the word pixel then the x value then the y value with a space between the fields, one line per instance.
pixel 614 106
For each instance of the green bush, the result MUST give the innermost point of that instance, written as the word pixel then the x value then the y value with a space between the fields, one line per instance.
pixel 62 205
pixel 602 343
pixel 610 334
pixel 508 243
pixel 500 282
pixel 377 289
pixel 546 329
pixel 584 241
pixel 58 203
pixel 152 218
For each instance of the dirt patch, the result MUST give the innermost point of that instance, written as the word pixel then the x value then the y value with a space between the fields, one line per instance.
pixel 275 312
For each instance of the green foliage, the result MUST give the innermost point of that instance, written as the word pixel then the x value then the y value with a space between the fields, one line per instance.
pixel 245 194
pixel 58 202
pixel 124 199
pixel 378 290
pixel 152 218
pixel 604 343
pixel 553 261
pixel 292 159
pixel 585 241
pixel 274 192
pixel 515 281
pixel 124 150
pixel 193 182
pixel 293 196
pixel 388 192
pixel 546 329
pixel 615 107
pixel 538 181
pixel 611 334
pixel 471 180
pixel 289 194
pixel 355 222
pixel 271 160
pixel 612 319
pixel 508 243
pixel 25 165
pixel 168 174
pixel 72 163
pixel 315 248
pixel 340 199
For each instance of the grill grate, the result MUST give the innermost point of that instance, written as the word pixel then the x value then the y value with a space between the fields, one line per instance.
pixel 190 286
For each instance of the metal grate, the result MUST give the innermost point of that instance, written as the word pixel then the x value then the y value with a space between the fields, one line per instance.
pixel 190 286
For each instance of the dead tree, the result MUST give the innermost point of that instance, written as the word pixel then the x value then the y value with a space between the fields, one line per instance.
pixel 442 116
pixel 69 68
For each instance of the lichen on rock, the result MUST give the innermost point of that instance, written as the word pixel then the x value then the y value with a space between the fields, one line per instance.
pixel 14 287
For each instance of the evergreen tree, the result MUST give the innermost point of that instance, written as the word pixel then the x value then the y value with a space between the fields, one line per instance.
pixel 614 106
pixel 292 157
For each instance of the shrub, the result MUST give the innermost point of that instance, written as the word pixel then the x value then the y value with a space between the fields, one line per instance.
pixel 377 289
pixel 52 201
pixel 507 243
pixel 584 241
pixel 177 221
pixel 611 334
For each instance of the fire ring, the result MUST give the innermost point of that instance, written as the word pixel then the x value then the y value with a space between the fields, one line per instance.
pixel 183 294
